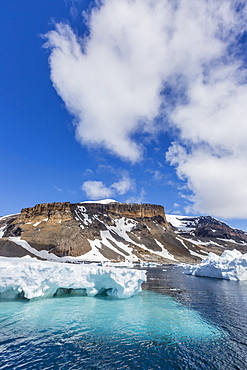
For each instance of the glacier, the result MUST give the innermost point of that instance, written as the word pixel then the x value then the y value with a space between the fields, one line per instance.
pixel 231 265
pixel 31 278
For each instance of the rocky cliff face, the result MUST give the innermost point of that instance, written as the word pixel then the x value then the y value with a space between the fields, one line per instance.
pixel 125 209
pixel 113 231
pixel 53 211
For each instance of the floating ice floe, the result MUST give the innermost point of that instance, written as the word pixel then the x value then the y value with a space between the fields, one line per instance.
pixel 29 278
pixel 231 265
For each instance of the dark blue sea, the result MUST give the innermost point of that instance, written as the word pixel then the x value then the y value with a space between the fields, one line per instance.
pixel 177 322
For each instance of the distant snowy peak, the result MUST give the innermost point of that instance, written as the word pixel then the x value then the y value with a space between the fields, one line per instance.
pixel 103 201
pixel 206 227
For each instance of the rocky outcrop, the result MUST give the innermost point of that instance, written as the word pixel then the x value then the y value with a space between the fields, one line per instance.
pixel 132 210
pixel 211 233
pixel 50 227
pixel 209 227
pixel 53 211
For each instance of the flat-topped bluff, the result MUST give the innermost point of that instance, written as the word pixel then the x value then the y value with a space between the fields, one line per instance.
pixel 65 210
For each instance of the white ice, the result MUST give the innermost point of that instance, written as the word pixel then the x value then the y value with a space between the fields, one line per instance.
pixel 231 265
pixel 41 279
pixel 103 201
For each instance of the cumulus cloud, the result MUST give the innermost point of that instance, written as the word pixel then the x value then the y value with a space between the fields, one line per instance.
pixel 217 183
pixel 210 152
pixel 174 59
pixel 111 80
pixel 124 185
pixel 98 190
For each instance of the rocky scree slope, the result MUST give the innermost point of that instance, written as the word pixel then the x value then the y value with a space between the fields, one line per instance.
pixel 96 232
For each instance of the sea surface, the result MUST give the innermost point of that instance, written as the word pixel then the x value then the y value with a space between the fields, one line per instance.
pixel 177 322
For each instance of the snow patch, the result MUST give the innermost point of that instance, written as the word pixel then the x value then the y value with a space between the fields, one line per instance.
pixel 122 227
pixel 164 252
pixel 31 278
pixel 200 242
pixel 7 216
pixel 82 215
pixel 41 254
pixel 39 222
pixel 2 231
pixel 182 223
pixel 231 265
pixel 103 201
pixel 232 241
pixel 193 253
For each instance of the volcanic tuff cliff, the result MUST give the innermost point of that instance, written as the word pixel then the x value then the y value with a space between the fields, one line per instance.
pixel 97 232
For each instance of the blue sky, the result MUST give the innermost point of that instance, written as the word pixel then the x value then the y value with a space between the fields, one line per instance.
pixel 132 100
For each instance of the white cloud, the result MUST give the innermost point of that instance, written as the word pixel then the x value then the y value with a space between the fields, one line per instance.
pixel 96 190
pixel 124 185
pixel 57 188
pixel 112 80
pixel 137 198
pixel 157 175
pixel 88 172
pixel 210 153
pixel 218 183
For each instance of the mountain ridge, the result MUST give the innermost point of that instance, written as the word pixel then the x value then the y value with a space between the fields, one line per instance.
pixel 113 231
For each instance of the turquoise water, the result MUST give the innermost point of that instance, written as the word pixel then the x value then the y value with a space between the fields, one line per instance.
pixel 191 328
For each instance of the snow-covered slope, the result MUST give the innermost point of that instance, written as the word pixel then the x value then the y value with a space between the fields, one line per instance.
pixel 30 278
pixel 103 201
pixel 183 223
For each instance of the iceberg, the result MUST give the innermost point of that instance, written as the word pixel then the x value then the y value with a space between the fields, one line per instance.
pixel 231 265
pixel 30 278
